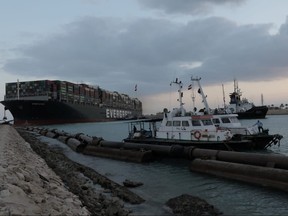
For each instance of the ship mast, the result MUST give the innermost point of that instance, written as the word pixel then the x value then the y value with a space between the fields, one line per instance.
pixel 180 95
pixel 262 100
pixel 200 91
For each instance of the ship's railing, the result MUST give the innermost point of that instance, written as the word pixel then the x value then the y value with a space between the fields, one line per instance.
pixel 28 97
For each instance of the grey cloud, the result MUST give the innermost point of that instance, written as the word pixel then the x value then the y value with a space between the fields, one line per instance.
pixel 149 52
pixel 190 7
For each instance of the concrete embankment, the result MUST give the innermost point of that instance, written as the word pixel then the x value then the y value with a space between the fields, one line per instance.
pixel 28 185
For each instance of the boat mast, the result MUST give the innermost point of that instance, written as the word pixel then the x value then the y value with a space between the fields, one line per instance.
pixel 200 91
pixel 193 97
pixel 180 93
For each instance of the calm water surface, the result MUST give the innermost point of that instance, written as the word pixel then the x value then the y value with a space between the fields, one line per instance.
pixel 168 178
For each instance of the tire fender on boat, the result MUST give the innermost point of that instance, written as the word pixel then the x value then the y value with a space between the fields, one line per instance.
pixel 197 134
pixel 228 135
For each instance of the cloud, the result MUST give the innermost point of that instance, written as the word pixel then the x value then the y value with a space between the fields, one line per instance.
pixel 117 54
pixel 189 7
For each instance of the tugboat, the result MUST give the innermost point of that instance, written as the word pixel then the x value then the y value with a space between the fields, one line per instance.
pixel 190 129
pixel 231 122
pixel 243 107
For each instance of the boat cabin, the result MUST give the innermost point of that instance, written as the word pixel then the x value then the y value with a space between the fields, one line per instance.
pixel 231 122
pixel 192 128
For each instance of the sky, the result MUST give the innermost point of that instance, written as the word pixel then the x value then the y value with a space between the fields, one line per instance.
pixel 149 43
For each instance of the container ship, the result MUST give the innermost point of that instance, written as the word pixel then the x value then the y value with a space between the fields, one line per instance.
pixel 43 102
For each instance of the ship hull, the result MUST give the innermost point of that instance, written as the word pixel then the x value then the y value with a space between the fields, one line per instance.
pixel 37 112
pixel 255 112
pixel 243 143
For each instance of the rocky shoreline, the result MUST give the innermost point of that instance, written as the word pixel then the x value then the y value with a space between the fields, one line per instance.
pixel 28 186
pixel 82 181
pixel 86 191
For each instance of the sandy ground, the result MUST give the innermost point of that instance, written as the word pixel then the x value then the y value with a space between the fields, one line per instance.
pixel 24 177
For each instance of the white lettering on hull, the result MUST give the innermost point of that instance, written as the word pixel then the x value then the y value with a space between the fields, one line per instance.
pixel 115 113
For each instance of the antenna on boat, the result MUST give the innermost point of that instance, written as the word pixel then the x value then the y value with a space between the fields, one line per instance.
pixel 200 91
pixel 223 96
pixel 180 93
pixel 236 88
pixel 18 89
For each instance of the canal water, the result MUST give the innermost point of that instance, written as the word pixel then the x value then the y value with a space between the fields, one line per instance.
pixel 167 178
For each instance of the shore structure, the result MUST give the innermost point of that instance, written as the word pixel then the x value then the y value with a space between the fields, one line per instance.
pixel 38 180
pixel 28 185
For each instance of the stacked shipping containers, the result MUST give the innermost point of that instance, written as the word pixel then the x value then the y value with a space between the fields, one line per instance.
pixel 73 93
pixel 27 89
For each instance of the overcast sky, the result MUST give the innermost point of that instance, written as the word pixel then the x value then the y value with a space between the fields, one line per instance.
pixel 118 44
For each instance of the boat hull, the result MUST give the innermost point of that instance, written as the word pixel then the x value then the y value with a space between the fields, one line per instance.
pixel 239 143
pixel 37 112
pixel 256 112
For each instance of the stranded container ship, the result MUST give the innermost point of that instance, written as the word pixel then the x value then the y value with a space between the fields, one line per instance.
pixel 57 102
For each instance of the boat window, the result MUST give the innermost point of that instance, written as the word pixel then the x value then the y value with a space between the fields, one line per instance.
pixel 225 120
pixel 207 122
pixel 196 123
pixel 176 123
pixel 234 120
pixel 216 121
pixel 185 123
pixel 168 123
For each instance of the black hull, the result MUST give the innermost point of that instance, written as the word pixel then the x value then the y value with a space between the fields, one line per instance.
pixel 35 112
pixel 246 143
pixel 256 112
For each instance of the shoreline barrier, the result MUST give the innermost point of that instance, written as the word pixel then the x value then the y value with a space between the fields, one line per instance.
pixel 270 170
pixel 120 154
pixel 96 146
pixel 257 159
pixel 263 176
pixel 173 150
pixel 51 134
pixel 79 141
pixel 74 144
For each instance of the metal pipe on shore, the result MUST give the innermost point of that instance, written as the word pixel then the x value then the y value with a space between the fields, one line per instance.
pixel 119 154
pixel 263 176
pixel 258 159
pixel 173 150
pixel 51 134
pixel 74 144
pixel 62 139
